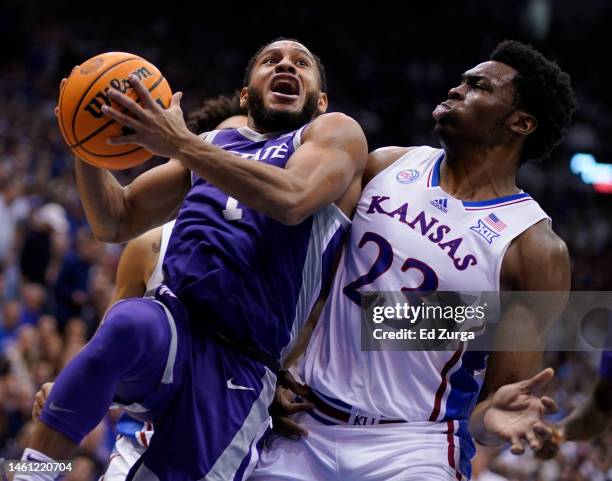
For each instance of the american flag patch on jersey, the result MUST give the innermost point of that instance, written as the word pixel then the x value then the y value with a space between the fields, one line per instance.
pixel 495 222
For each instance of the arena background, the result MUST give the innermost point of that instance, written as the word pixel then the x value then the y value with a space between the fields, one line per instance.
pixel 386 68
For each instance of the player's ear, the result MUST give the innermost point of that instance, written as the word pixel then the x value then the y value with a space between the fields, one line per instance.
pixel 522 123
pixel 244 98
pixel 322 103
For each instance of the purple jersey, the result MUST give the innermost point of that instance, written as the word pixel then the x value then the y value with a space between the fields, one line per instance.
pixel 250 276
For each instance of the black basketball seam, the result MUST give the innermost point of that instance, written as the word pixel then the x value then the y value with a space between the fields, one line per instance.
pixel 111 155
pixel 76 110
pixel 106 166
pixel 104 126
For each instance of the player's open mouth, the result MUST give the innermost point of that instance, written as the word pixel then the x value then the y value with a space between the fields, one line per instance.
pixel 440 110
pixel 284 85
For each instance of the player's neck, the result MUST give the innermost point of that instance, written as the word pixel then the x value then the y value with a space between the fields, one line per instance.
pixel 478 174
pixel 260 130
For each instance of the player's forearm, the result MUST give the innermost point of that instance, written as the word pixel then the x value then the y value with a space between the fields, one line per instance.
pixel 593 417
pixel 262 187
pixel 586 423
pixel 103 200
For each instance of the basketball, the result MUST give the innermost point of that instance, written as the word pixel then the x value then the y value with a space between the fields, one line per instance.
pixel 85 128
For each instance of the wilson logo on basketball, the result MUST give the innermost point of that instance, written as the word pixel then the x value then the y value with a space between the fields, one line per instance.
pixel 94 107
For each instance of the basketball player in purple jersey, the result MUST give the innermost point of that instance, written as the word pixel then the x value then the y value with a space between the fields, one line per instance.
pixel 265 210
pixel 449 219
pixel 140 270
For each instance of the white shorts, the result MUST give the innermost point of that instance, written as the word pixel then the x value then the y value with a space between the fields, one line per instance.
pixel 389 452
pixel 125 454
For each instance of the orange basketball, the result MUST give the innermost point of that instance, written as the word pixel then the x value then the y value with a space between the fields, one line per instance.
pixel 84 126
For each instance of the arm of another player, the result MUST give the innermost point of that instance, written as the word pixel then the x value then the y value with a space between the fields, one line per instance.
pixel 136 264
pixel 508 410
pixel 591 419
pixel 332 155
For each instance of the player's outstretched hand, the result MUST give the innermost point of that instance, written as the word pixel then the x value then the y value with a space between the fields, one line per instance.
pixel 157 129
pixel 550 447
pixel 515 414
pixel 40 398
pixel 289 399
pixel 62 84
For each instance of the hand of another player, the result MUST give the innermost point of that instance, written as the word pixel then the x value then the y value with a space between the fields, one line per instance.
pixel 62 85
pixel 159 130
pixel 515 414
pixel 287 401
pixel 40 398
pixel 550 447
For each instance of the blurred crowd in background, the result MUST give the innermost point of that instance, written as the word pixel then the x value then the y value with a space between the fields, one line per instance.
pixel 386 70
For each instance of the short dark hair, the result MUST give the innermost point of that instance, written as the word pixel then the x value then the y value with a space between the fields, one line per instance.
pixel 542 90
pixel 214 111
pixel 253 59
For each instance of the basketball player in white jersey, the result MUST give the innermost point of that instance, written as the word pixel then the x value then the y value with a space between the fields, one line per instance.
pixel 139 271
pixel 448 219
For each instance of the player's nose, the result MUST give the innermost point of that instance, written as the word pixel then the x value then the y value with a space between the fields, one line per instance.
pixel 456 93
pixel 285 65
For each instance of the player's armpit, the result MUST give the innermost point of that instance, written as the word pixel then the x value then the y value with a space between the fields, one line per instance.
pixel 380 159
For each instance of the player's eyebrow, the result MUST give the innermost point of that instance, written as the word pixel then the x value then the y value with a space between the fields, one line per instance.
pixel 277 50
pixel 465 77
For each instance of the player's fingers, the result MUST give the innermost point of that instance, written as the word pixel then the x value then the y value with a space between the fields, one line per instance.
pixel 538 381
pixel 532 439
pixel 550 405
pixel 120 117
pixel 296 407
pixel 289 428
pixel 37 409
pixel 543 431
pixel 175 102
pixel 46 389
pixel 143 93
pixel 286 379
pixel 130 104
pixel 123 140
pixel 39 397
pixel 516 446
pixel 63 84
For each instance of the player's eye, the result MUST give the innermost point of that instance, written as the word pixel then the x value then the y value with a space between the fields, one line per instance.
pixel 303 63
pixel 270 60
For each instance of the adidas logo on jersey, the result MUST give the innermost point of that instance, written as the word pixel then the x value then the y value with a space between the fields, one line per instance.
pixel 440 204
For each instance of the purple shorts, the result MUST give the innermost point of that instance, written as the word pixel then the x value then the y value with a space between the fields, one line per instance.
pixel 212 413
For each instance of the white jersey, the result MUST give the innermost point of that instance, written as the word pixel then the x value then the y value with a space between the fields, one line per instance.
pixel 407 232
pixel 157 276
